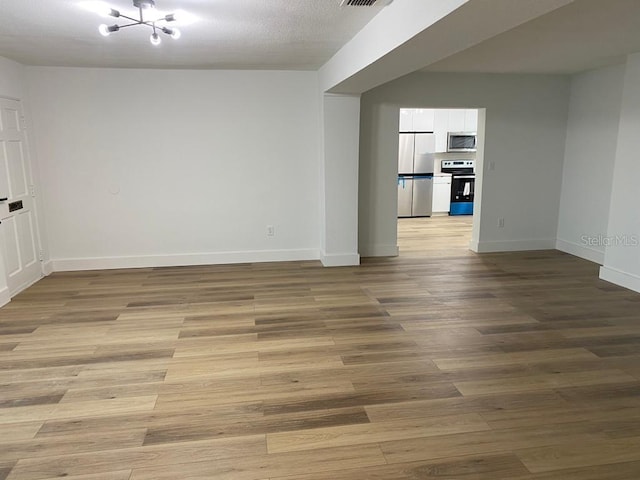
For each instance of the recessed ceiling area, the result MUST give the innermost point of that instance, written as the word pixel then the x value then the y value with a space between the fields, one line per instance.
pixel 233 34
pixel 583 35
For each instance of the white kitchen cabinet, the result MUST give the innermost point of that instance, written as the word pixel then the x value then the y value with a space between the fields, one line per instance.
pixel 440 128
pixel 456 120
pixel 471 120
pixel 423 119
pixel 406 120
pixel 441 194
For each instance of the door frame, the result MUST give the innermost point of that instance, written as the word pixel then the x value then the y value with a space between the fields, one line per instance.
pixel 477 207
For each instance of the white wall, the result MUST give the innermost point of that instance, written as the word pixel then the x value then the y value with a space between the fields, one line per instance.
pixel 149 168
pixel 622 248
pixel 592 135
pixel 525 125
pixel 341 120
pixel 11 79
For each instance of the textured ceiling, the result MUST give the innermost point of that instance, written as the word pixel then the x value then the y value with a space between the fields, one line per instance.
pixel 243 34
pixel 303 35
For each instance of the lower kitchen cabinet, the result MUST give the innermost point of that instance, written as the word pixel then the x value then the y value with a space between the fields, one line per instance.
pixel 441 193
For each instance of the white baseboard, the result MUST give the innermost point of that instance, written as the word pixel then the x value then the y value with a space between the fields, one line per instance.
pixel 379 251
pixel 146 261
pixel 514 245
pixel 618 277
pixel 339 260
pixel 581 251
pixel 5 297
pixel 47 268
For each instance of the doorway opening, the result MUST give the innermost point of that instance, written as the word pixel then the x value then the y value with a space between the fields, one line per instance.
pixel 437 162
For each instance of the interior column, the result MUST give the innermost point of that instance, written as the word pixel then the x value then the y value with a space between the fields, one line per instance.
pixel 341 137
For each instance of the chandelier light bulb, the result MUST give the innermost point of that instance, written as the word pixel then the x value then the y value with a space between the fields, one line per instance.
pixel 104 30
pixel 176 34
pixel 155 39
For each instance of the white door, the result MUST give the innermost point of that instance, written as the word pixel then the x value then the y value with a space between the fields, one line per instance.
pixel 18 235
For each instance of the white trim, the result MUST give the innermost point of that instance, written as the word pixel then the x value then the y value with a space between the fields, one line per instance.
pixel 581 251
pixel 514 245
pixel 339 259
pixel 379 251
pixel 218 258
pixel 618 277
pixel 5 297
pixel 47 268
pixel 26 285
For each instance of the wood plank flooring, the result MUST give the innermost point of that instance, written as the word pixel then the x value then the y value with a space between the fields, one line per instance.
pixel 438 364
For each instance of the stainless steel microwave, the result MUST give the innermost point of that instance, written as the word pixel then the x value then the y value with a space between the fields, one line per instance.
pixel 461 142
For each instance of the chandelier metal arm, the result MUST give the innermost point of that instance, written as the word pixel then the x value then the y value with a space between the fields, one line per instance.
pixel 149 24
pixel 130 18
pixel 135 21
pixel 106 30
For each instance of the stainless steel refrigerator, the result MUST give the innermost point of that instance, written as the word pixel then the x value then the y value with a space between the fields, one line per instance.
pixel 415 174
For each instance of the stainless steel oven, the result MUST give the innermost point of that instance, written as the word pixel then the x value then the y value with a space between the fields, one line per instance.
pixel 463 180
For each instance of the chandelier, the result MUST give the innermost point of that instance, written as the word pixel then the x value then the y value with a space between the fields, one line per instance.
pixel 146 8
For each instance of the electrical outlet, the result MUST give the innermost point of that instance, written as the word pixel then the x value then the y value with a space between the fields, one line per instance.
pixel 501 222
pixel 271 231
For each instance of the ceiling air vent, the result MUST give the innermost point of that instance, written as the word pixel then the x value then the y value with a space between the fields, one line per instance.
pixel 363 3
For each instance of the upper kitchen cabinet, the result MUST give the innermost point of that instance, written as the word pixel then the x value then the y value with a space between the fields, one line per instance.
pixel 440 121
pixel 406 119
pixel 423 120
pixel 471 120
pixel 441 127
pixel 416 119
pixel 457 120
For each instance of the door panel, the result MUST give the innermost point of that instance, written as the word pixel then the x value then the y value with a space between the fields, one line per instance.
pixel 10 118
pixel 27 238
pixel 4 170
pixel 10 244
pixel 17 171
pixel 18 229
pixel 405 153
pixel 425 147
pixel 405 196
pixel 422 197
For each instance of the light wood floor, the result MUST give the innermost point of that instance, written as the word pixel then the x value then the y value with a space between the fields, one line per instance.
pixel 439 364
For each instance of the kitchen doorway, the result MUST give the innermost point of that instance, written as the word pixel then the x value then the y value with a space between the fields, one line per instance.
pixel 436 179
